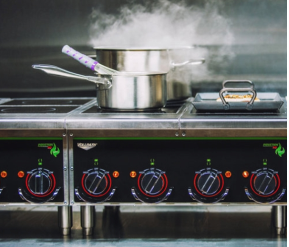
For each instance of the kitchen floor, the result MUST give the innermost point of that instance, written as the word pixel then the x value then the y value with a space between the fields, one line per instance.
pixel 143 226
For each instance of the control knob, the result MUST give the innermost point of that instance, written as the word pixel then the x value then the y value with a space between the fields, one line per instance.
pixel 265 182
pixel 96 182
pixel 40 182
pixel 208 182
pixel 152 182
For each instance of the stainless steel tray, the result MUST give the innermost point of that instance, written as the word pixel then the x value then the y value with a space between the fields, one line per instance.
pixel 207 101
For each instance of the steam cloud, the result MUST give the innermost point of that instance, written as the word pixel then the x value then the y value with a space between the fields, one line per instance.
pixel 166 24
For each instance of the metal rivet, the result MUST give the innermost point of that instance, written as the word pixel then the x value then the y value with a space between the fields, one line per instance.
pixel 64 134
pixel 177 134
pixel 72 202
pixel 184 134
pixel 71 134
pixel 71 168
pixel 65 168
pixel 65 202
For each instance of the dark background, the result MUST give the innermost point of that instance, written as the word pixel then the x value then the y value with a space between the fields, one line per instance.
pixel 33 32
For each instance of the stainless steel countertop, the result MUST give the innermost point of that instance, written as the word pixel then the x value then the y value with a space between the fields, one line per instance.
pixel 183 121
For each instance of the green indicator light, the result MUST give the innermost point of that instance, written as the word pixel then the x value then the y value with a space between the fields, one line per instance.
pixel 96 162
pixel 208 162
pixel 40 162
pixel 264 162
pixel 152 162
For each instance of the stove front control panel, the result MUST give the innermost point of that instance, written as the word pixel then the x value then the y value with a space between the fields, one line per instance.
pixel 179 171
pixel 31 171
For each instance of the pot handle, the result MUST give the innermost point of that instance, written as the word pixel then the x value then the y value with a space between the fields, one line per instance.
pixel 191 62
pixel 88 61
pixel 56 71
pixel 83 59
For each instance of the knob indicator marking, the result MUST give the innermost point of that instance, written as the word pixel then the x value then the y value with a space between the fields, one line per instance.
pixel 40 182
pixel 153 182
pixel 210 185
pixel 265 183
pixel 96 182
pixel 208 182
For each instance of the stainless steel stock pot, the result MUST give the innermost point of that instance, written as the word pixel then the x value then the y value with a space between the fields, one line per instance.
pixel 125 91
pixel 132 59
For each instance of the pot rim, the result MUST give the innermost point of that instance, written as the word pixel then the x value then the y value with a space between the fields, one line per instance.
pixel 141 48
pixel 136 74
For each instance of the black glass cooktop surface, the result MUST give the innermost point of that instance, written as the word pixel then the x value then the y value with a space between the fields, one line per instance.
pixel 41 102
pixel 36 109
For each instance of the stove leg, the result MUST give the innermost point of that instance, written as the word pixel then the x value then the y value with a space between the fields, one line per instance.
pixel 87 215
pixel 280 219
pixel 65 219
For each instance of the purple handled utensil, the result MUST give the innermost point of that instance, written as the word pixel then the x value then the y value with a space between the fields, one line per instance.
pixel 88 62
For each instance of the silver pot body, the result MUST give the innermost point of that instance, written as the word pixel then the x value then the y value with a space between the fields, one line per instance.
pixel 133 93
pixel 148 60
pixel 133 59
pixel 122 92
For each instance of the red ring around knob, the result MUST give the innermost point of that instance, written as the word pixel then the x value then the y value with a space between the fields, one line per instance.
pixel 163 189
pixel 52 186
pixel 221 188
pixel 274 192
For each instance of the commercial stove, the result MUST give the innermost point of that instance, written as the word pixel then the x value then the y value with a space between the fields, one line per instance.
pixel 67 152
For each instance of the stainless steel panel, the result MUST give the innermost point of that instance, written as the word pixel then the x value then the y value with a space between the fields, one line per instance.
pixel 123 120
pixel 144 226
pixel 234 124
pixel 65 170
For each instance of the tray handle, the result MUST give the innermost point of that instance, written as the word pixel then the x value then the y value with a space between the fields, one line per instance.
pixel 249 105
pixel 239 81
